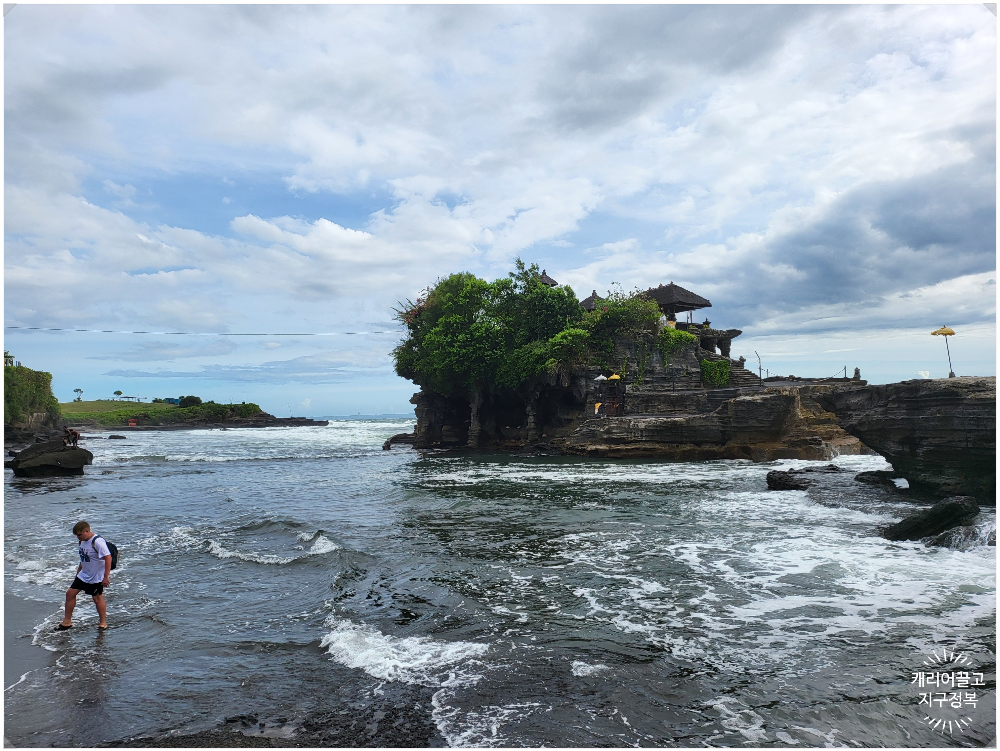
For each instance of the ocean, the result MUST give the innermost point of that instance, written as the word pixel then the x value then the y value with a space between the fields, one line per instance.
pixel 302 582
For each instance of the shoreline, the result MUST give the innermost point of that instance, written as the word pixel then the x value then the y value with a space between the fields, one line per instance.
pixel 21 657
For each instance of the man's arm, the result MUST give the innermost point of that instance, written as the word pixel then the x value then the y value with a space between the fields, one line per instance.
pixel 107 570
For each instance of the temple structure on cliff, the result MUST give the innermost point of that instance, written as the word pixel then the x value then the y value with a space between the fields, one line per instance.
pixel 674 299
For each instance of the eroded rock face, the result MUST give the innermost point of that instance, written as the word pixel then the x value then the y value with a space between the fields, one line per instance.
pixel 943 516
pixel 939 434
pixel 49 459
pixel 552 416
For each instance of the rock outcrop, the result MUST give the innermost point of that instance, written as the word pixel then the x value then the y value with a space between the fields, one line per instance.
pixel 794 479
pixel 557 415
pixel 938 434
pixel 949 513
pixel 49 459
pixel 398 438
pixel 779 480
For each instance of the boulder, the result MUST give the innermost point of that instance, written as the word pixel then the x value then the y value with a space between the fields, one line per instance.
pixel 399 438
pixel 49 459
pixel 116 437
pixel 949 513
pixel 940 434
pixel 882 477
pixel 792 480
pixel 964 538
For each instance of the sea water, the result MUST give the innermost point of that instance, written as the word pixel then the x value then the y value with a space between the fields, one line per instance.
pixel 526 601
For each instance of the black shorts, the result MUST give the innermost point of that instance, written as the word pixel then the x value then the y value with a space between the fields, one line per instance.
pixel 91 589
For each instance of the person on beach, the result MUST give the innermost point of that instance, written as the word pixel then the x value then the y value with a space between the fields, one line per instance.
pixel 92 575
pixel 70 437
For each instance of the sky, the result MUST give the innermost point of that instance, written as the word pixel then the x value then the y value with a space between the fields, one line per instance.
pixel 825 175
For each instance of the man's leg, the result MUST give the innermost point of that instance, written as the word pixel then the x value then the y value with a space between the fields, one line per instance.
pixel 102 610
pixel 70 604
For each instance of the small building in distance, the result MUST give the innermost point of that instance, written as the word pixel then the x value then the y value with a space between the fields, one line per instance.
pixel 547 280
pixel 674 299
pixel 171 400
pixel 589 303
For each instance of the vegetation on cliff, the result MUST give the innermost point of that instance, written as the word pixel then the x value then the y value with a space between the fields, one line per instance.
pixel 115 413
pixel 25 392
pixel 715 373
pixel 467 335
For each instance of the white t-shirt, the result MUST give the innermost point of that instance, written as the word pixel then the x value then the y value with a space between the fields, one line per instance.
pixel 92 561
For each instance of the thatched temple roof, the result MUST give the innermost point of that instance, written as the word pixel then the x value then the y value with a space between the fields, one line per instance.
pixel 589 303
pixel 548 280
pixel 673 299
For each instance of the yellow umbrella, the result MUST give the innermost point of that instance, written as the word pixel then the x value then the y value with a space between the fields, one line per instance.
pixel 946 332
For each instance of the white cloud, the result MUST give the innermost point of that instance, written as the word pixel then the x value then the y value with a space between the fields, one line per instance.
pixel 803 167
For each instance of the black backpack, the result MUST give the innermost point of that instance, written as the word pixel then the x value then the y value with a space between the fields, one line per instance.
pixel 112 548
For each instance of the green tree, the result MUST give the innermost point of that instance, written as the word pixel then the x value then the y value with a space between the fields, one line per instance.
pixel 79 395
pixel 118 393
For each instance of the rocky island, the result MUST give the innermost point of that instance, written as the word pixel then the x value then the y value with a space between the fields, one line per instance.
pixel 519 365
pixel 618 377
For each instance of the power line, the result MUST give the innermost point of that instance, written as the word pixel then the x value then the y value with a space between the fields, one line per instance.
pixel 197 333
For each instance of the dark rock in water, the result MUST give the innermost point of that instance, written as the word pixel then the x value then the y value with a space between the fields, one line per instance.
pixel 779 480
pixel 964 538
pixel 118 437
pixel 825 468
pixel 878 477
pixel 949 513
pixel 398 438
pixel 939 434
pixel 50 459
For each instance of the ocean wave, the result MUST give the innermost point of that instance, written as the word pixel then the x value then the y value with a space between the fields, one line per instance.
pixel 184 537
pixel 321 546
pixel 411 659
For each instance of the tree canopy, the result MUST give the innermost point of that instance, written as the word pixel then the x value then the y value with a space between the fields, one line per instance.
pixel 466 334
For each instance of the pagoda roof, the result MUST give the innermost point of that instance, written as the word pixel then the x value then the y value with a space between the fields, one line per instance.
pixel 547 280
pixel 589 303
pixel 675 298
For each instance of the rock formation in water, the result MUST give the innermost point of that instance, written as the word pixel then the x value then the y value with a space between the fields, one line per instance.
pixel 949 513
pixel 939 434
pixel 694 424
pixel 49 459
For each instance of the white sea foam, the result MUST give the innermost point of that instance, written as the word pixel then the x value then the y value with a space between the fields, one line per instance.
pixel 411 659
pixel 740 718
pixel 478 728
pixel 184 536
pixel 582 669
pixel 322 545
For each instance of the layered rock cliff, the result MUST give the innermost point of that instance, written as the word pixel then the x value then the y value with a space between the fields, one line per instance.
pixel 559 416
pixel 939 434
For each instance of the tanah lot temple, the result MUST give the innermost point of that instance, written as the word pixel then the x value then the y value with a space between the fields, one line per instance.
pixel 695 402
pixel 715 345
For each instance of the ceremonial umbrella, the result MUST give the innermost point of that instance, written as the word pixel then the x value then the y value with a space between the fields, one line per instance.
pixel 946 332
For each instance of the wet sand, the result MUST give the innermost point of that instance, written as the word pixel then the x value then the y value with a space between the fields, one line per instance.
pixel 20 617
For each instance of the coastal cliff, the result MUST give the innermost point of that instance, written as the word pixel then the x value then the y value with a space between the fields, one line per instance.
pixel 940 434
pixel 755 423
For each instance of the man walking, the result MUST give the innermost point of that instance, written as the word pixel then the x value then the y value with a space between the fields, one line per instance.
pixel 92 575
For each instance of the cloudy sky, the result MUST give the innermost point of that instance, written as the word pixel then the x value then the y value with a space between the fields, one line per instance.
pixel 824 175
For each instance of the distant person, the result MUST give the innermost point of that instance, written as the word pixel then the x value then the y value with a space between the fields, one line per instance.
pixel 92 575
pixel 70 438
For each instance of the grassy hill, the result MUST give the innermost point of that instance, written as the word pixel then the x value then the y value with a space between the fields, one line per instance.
pixel 106 405
pixel 110 413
